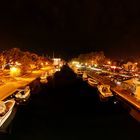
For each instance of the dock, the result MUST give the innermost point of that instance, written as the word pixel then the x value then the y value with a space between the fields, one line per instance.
pixel 131 101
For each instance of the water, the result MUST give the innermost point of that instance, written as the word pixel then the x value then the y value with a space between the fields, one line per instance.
pixel 68 108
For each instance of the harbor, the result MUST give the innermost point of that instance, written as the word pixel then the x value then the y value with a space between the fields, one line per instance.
pixel 71 109
pixel 69 70
pixel 121 90
pixel 18 91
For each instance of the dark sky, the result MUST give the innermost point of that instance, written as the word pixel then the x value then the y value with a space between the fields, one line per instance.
pixel 71 27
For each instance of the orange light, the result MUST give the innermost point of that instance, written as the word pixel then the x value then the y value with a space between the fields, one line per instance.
pixel 109 62
pixel 14 71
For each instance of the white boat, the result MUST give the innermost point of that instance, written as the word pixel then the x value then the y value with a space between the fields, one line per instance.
pixel 105 90
pixel 78 71
pixel 22 94
pixel 137 90
pixel 92 82
pixel 51 72
pixel 6 108
pixel 57 68
pixel 135 84
pixel 85 77
pixel 43 78
pixel 44 81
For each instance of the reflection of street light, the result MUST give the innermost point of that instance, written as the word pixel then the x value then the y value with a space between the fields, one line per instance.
pixel 14 71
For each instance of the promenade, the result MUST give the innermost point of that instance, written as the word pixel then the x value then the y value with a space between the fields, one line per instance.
pixel 9 87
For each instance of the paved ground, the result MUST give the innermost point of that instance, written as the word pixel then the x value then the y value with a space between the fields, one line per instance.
pixel 69 109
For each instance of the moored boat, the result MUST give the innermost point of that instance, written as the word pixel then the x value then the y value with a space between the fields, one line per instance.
pixel 105 90
pixel 6 108
pixel 22 94
pixel 43 78
pixel 85 77
pixel 92 82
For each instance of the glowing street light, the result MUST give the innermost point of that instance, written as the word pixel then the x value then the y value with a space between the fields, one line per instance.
pixel 95 65
pixel 86 64
pixel 75 62
pixel 109 62
pixel 14 71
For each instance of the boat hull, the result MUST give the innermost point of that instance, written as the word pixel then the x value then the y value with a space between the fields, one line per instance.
pixel 8 113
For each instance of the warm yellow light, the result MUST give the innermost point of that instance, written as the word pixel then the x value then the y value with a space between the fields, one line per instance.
pixel 109 62
pixel 95 65
pixel 78 65
pixel 17 63
pixel 75 62
pixel 32 66
pixel 14 71
pixel 113 67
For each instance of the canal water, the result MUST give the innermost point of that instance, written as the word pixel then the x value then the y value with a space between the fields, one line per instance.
pixel 66 108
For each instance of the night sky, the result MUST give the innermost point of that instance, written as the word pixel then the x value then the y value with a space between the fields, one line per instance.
pixel 71 27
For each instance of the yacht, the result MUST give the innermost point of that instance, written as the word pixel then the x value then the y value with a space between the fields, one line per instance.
pixel 6 108
pixel 22 94
pixel 92 82
pixel 105 90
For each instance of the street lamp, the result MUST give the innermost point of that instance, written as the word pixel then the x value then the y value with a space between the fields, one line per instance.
pixel 109 62
pixel 15 71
